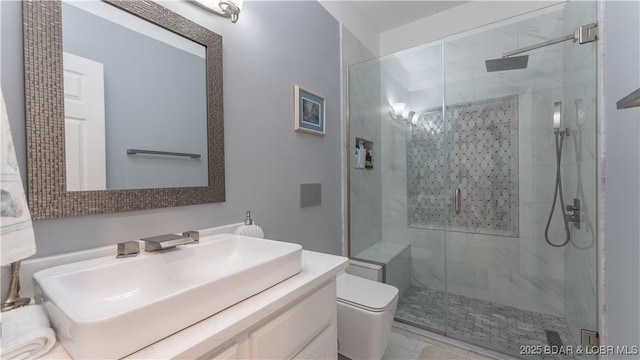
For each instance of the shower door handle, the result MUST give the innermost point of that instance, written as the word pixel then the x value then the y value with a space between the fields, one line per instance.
pixel 458 201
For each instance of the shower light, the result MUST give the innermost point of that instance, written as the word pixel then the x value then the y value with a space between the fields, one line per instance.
pixel 407 114
pixel 415 118
pixel 403 113
pixel 397 109
pixel 226 8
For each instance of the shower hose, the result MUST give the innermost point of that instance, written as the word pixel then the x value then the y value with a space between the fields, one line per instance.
pixel 559 140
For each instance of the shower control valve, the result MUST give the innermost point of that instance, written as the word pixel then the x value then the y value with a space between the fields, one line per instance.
pixel 575 217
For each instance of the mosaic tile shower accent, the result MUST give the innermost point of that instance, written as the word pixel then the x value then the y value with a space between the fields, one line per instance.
pixel 475 150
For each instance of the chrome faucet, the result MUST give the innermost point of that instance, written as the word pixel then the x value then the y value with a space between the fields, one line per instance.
pixel 128 249
pixel 169 241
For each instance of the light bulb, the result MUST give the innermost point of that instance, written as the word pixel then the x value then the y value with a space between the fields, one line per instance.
pixel 415 118
pixel 397 109
pixel 406 113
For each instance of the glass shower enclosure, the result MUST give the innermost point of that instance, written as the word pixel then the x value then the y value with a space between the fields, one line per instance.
pixel 479 197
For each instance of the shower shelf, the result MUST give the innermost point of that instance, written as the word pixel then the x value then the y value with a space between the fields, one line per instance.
pixel 368 146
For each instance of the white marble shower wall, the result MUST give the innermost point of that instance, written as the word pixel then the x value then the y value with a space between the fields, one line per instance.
pixel 365 222
pixel 523 271
pixel 365 184
pixel 579 171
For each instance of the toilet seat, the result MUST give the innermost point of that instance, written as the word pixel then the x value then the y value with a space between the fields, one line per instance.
pixel 365 294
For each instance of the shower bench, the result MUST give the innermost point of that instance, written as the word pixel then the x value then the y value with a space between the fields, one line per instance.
pixel 396 259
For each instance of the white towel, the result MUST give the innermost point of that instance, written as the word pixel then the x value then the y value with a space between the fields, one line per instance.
pixel 16 232
pixel 26 333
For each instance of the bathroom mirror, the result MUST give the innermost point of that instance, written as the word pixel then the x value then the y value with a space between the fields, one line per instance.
pixel 145 151
pixel 115 103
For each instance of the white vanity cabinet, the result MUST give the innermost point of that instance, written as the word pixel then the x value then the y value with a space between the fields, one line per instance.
pixel 294 319
pixel 300 329
pixel 305 329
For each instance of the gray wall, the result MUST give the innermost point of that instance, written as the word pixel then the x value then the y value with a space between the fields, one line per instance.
pixel 622 144
pixel 273 46
pixel 154 98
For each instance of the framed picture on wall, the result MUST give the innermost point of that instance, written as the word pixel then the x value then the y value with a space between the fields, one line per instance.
pixel 309 111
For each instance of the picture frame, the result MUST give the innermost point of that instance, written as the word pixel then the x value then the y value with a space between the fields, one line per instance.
pixel 309 109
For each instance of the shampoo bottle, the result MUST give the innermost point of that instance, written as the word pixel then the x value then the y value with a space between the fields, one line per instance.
pixel 369 160
pixel 363 155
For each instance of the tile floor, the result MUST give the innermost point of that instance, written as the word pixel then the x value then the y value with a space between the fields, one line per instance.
pixel 411 345
pixel 495 326
pixel 422 306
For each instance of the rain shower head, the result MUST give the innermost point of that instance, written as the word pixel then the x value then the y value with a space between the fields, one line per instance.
pixel 507 63
pixel 583 34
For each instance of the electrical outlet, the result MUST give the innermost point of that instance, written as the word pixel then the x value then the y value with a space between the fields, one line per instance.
pixel 310 195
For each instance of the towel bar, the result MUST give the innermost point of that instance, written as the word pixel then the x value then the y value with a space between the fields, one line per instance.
pixel 168 153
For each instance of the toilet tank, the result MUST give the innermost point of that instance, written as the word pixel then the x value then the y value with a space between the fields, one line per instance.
pixel 365 270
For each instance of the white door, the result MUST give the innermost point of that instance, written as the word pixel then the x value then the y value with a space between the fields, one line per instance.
pixel 84 123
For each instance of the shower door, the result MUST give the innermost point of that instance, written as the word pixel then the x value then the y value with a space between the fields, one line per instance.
pixel 508 288
pixel 456 203
pixel 390 201
pixel 415 185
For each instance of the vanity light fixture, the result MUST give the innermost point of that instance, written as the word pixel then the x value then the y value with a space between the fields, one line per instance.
pixel 226 8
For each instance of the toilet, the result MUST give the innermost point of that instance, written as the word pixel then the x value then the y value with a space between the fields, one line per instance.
pixel 365 314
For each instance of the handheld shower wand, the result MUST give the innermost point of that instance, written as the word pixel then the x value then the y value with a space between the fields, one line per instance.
pixel 559 135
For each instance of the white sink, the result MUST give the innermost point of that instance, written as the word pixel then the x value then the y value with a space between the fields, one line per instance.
pixel 109 308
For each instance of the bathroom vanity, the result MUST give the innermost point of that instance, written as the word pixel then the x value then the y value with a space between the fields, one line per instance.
pixel 295 318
